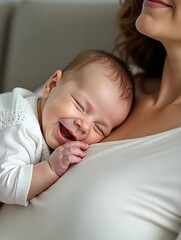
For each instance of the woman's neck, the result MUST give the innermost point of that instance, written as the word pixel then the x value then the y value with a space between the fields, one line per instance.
pixel 170 89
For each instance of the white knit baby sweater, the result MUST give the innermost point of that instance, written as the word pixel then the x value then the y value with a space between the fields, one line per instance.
pixel 21 142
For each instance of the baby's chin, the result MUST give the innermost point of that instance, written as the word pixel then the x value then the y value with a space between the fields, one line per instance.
pixel 53 145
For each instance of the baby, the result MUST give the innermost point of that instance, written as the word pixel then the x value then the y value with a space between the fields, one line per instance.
pixel 42 136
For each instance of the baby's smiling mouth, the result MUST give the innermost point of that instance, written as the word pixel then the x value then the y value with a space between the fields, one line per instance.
pixel 66 133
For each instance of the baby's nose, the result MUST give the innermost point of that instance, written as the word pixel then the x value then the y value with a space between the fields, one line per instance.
pixel 83 124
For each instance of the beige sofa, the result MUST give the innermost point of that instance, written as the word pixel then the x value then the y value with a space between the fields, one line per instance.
pixel 37 38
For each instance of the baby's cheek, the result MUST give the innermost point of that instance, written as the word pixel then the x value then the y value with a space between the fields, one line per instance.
pixel 93 137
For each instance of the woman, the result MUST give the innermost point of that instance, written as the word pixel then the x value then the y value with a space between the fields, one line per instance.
pixel 146 53
pixel 129 187
pixel 139 49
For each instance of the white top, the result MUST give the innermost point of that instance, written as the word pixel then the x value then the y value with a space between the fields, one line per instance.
pixel 22 144
pixel 123 190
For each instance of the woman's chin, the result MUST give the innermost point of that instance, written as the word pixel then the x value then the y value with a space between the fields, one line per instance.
pixel 145 26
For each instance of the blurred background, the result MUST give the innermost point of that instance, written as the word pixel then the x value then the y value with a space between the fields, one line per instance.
pixel 37 37
pixel 65 1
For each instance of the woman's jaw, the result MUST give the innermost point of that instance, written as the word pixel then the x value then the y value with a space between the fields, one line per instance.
pixel 157 20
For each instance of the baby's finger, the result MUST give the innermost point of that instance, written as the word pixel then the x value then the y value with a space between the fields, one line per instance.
pixel 74 151
pixel 70 159
pixel 77 144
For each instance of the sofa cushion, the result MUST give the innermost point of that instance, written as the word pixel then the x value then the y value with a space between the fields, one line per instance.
pixel 5 17
pixel 45 37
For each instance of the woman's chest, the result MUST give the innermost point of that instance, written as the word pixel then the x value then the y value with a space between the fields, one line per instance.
pixel 147 120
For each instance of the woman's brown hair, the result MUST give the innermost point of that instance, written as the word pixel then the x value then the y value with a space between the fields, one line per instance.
pixel 134 47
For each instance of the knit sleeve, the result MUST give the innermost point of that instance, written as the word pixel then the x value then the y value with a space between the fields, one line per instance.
pixel 17 156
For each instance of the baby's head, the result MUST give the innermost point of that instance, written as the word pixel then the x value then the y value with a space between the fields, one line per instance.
pixel 112 67
pixel 86 100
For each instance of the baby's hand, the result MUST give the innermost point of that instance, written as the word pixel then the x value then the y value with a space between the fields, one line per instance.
pixel 63 156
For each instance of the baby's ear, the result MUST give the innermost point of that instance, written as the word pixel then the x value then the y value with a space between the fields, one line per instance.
pixel 51 83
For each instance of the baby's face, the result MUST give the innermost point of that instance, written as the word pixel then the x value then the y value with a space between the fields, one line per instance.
pixel 84 106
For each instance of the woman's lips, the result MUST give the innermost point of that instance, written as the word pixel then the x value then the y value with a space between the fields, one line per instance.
pixel 64 134
pixel 156 4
